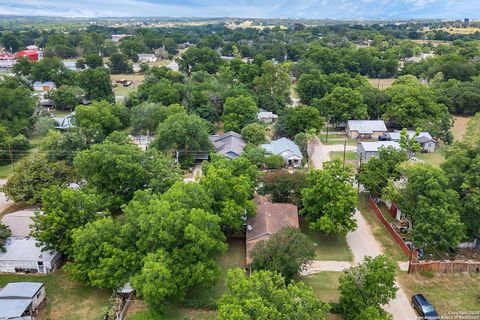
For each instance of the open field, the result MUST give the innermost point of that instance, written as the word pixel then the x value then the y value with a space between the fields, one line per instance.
pixel 381 83
pixel 435 43
pixel 459 127
pixel 334 138
pixel 66 298
pixel 390 247
pixel 248 24
pixel 120 90
pixel 469 30
pixel 327 248
pixel 447 293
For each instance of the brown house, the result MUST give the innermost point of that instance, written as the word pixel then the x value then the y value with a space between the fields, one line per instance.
pixel 270 218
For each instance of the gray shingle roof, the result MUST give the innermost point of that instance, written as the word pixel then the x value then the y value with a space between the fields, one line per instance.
pixel 16 290
pixel 230 144
pixel 366 125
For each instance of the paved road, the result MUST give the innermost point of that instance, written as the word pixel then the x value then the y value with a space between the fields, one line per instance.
pixel 4 203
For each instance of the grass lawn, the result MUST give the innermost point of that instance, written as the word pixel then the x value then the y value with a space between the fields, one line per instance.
pixel 325 285
pixel 390 247
pixel 66 298
pixel 333 140
pixel 139 311
pixel 338 155
pixel 447 292
pixel 327 248
pixel 459 127
pixel 235 257
pixel 5 170
pixel 434 158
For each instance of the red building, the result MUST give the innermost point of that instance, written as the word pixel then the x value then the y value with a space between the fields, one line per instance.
pixel 31 54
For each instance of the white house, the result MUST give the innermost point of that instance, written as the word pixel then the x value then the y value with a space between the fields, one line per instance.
pixel 33 291
pixel 425 140
pixel 117 37
pixel 367 150
pixel 44 86
pixel 70 65
pixel 287 149
pixel 173 66
pixel 23 255
pixel 366 128
pixel 146 57
pixel 266 116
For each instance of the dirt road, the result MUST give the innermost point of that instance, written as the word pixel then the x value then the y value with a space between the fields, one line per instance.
pixel 363 243
pixel 321 152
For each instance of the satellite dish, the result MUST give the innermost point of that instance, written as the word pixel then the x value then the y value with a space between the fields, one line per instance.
pixel 249 227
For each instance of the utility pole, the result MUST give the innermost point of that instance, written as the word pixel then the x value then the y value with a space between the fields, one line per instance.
pixel 344 151
pixel 326 138
pixel 410 258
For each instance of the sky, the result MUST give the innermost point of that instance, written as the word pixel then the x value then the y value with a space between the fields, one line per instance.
pixel 332 9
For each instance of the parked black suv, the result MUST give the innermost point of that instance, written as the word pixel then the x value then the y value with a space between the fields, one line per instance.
pixel 424 308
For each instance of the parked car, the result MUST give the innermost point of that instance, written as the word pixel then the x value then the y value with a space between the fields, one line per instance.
pixel 424 308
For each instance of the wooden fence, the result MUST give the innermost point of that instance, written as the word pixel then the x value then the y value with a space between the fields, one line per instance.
pixel 389 227
pixel 447 266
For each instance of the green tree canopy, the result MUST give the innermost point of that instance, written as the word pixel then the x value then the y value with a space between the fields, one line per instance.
pixel 146 116
pixel 329 199
pixel 272 87
pixel 283 186
pixel 300 119
pixel 288 252
pixel 265 295
pixel 66 97
pixel 64 210
pixel 200 59
pixel 231 184
pixel 101 117
pixel 32 175
pixel 239 112
pixel 118 169
pixel 375 173
pixel 431 205
pixel 97 84
pixel 370 284
pixel 119 64
pixel 184 133
pixel 254 133
pixel 342 104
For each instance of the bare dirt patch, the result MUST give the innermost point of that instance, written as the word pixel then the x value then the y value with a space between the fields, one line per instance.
pixel 459 127
pixel 381 83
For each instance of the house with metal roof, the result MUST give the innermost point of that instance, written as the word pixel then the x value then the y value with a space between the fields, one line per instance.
pixel 287 149
pixel 365 128
pixel 23 254
pixel 44 86
pixel 230 144
pixel 146 57
pixel 367 150
pixel 65 123
pixel 33 291
pixel 15 309
pixel 266 116
pixel 425 140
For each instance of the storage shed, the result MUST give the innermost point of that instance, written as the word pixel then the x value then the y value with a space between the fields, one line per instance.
pixel 23 255
pixel 32 291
